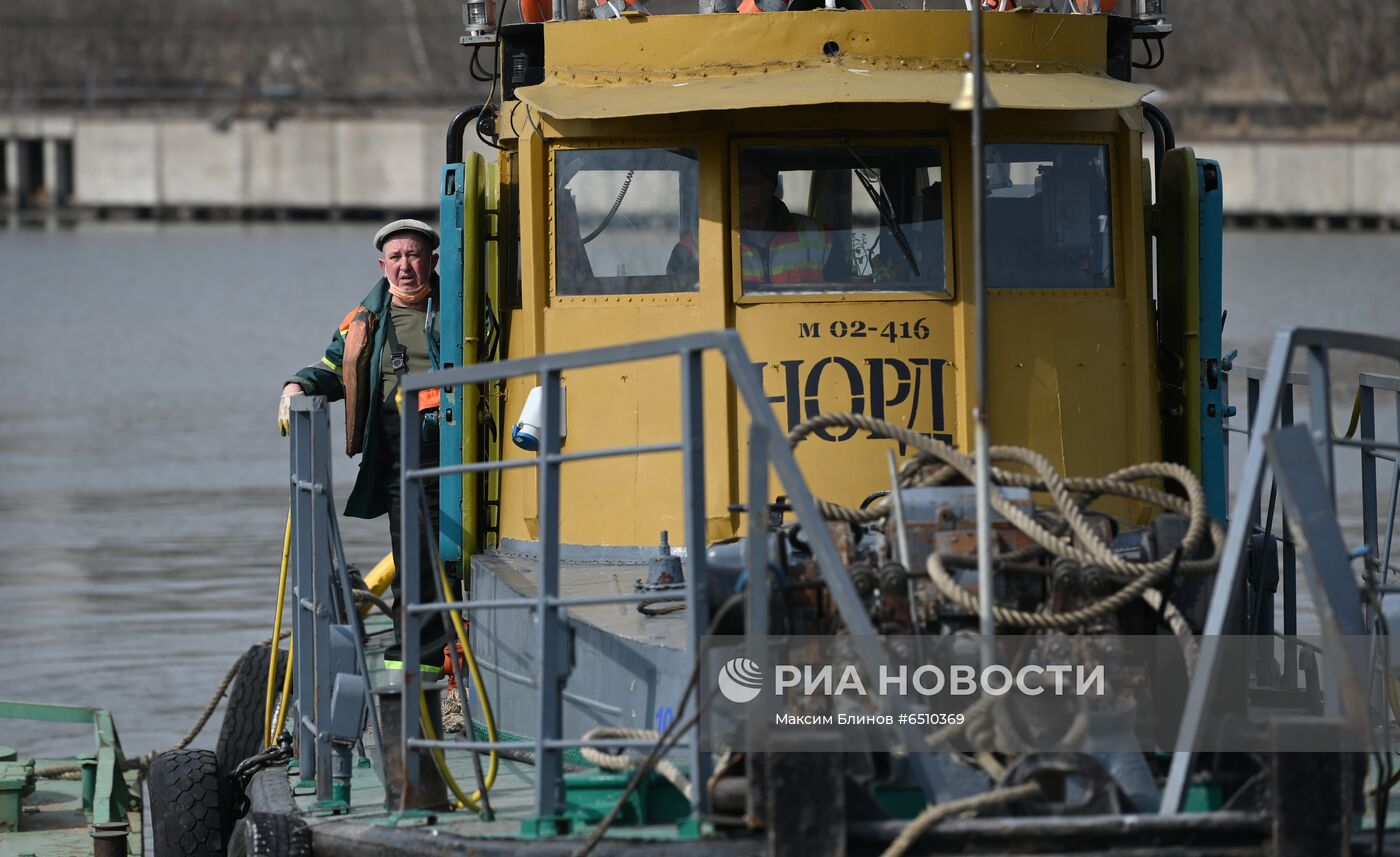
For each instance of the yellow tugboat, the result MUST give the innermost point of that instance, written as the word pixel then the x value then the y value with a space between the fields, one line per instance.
pixel 724 265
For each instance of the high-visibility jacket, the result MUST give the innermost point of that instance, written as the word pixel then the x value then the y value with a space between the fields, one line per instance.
pixel 786 257
pixel 792 256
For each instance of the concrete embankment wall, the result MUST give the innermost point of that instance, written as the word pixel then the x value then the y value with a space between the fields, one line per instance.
pixel 331 165
pixel 393 163
pixel 1308 179
pixel 302 164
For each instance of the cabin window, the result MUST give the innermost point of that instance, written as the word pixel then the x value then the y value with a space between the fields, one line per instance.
pixel 618 215
pixel 840 218
pixel 1049 222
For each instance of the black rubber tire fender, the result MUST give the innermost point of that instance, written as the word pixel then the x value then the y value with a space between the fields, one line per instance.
pixel 270 834
pixel 241 734
pixel 191 804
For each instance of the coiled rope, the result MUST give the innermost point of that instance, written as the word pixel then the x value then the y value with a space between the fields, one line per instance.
pixel 627 760
pixel 1076 540
pixel 1087 545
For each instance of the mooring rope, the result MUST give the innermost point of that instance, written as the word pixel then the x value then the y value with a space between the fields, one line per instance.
pixel 627 760
pixel 940 811
pixel 143 762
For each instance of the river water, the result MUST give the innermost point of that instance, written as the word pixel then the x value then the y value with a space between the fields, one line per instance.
pixel 142 479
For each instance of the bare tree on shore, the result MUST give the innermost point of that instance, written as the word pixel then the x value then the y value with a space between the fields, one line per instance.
pixel 1342 54
pixel 1299 64
pixel 100 53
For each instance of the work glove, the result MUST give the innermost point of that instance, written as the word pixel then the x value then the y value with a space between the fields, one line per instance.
pixel 284 407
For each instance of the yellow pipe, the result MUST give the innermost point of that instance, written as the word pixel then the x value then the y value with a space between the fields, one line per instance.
pixel 379 579
pixel 493 298
pixel 270 738
pixel 381 575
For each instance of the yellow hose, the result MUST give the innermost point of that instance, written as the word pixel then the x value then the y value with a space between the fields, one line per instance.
pixel 493 762
pixel 379 580
pixel 270 738
pixel 1355 415
pixel 1393 688
pixel 425 719
pixel 286 690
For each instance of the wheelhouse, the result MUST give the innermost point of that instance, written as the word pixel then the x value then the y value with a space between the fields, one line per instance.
pixel 642 141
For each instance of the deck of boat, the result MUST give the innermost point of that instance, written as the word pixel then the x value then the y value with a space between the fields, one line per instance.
pixel 53 822
pixel 368 828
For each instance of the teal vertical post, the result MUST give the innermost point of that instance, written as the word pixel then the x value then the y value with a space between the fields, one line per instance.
pixel 1214 475
pixel 450 414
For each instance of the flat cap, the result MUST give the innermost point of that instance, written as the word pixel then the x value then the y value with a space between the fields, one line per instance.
pixel 407 224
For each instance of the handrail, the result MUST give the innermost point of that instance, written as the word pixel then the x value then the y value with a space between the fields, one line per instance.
pixel 1297 379
pixel 112 800
pixel 772 446
pixel 321 593
pixel 1271 404
pixel 1364 421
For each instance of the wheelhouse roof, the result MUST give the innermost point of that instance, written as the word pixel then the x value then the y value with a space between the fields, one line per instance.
pixel 649 66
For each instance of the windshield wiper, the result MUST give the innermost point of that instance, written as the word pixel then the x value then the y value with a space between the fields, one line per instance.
pixel 884 206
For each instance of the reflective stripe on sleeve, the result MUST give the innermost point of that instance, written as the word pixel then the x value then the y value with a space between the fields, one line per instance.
pixel 422 668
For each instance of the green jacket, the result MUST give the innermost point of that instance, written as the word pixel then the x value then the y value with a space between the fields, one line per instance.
pixel 364 325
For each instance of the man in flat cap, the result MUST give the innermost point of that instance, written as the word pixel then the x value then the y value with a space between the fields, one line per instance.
pixel 393 331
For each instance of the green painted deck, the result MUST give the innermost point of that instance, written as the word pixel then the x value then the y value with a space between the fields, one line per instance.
pixel 512 801
pixel 45 816
pixel 52 822
pixel 591 792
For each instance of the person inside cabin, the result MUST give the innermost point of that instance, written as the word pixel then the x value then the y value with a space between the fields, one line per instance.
pixel 777 247
pixel 392 332
pixel 925 236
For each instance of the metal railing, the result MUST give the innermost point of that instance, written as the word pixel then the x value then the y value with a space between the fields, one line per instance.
pixel 1378 557
pixel 327 634
pixel 106 792
pixel 324 599
pixel 1302 462
pixel 767 446
pixel 1360 434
